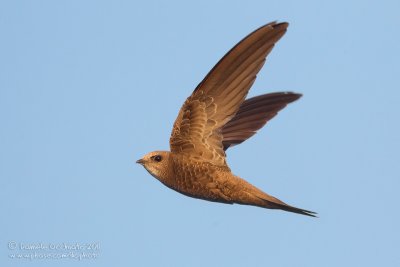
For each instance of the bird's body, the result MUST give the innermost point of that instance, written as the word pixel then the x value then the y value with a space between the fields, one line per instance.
pixel 203 180
pixel 215 117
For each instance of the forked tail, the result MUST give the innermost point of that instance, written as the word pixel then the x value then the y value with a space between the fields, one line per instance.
pixel 271 202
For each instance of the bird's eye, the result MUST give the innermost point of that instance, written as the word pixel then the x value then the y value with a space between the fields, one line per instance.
pixel 157 158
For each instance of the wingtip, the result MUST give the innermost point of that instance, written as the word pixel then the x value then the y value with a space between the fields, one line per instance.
pixel 295 96
pixel 298 95
pixel 276 25
pixel 292 93
pixel 283 24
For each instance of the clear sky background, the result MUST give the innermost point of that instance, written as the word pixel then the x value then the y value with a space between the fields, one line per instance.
pixel 88 87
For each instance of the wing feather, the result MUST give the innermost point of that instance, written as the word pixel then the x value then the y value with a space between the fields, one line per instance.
pixel 198 129
pixel 253 114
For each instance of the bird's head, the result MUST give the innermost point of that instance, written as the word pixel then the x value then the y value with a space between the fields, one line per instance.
pixel 156 163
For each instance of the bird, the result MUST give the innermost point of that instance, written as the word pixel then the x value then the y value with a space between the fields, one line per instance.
pixel 217 116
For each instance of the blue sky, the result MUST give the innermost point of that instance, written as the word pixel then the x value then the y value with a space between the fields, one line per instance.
pixel 88 87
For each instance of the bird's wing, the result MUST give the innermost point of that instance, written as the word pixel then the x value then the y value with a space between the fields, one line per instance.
pixel 215 101
pixel 253 114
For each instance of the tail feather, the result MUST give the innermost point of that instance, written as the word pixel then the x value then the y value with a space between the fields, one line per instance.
pixel 248 194
pixel 295 210
pixel 274 203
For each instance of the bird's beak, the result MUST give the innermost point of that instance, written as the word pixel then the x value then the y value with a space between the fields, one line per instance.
pixel 140 161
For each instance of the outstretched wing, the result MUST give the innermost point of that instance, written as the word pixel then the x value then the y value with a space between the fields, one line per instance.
pixel 215 101
pixel 253 114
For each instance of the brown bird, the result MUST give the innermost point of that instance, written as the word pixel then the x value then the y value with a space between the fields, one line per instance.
pixel 215 117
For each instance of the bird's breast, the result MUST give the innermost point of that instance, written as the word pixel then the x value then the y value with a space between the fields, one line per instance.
pixel 197 179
